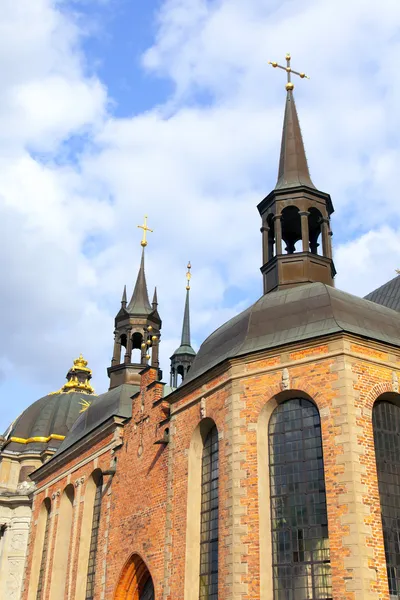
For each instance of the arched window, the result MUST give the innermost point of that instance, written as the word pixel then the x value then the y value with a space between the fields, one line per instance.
pixel 40 549
pixel 299 523
pixel 59 580
pixel 386 425
pixel 209 518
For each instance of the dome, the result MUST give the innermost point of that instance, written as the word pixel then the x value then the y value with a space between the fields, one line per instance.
pixel 293 315
pixel 45 423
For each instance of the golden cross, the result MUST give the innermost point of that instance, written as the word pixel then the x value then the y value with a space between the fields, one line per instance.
pixel 289 71
pixel 188 276
pixel 145 230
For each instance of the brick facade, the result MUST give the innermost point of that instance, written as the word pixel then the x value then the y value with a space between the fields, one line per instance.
pixel 145 504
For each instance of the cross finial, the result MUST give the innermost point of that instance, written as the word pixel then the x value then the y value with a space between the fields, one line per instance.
pixel 289 71
pixel 188 276
pixel 143 243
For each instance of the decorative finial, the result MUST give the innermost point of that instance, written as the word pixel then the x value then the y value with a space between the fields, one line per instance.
pixel 143 243
pixel 289 71
pixel 188 276
pixel 81 363
pixel 398 271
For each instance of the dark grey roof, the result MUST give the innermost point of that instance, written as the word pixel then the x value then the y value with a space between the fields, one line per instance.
pixel 388 294
pixel 52 414
pixel 115 402
pixel 293 315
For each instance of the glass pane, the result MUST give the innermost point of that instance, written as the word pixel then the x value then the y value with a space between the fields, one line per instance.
pixel 209 519
pixel 300 544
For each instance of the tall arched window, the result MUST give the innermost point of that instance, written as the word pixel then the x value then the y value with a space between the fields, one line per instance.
pixel 386 425
pixel 300 542
pixel 209 518
pixel 94 537
pixel 59 579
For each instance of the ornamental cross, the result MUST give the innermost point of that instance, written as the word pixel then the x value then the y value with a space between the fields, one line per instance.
pixel 145 230
pixel 289 71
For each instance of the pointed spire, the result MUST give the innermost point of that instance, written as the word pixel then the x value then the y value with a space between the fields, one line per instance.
pixel 155 299
pixel 185 347
pixel 140 303
pixel 293 167
pixel 123 300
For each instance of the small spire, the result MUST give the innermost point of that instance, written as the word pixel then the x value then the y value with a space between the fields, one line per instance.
pixel 293 167
pixel 140 303
pixel 155 299
pixel 185 346
pixel 123 301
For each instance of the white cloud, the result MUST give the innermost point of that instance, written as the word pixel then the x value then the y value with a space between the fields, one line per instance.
pixel 68 235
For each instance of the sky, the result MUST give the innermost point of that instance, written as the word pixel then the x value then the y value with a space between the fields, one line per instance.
pixel 113 109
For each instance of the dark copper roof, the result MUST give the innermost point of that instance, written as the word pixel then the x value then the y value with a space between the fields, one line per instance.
pixel 51 415
pixel 295 315
pixel 293 168
pixel 388 294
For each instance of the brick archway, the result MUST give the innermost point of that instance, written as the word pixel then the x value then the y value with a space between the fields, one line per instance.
pixel 135 582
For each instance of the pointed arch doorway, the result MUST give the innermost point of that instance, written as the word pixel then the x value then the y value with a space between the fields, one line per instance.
pixel 135 582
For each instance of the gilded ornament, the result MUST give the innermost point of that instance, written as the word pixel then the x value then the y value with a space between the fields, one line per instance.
pixel 289 71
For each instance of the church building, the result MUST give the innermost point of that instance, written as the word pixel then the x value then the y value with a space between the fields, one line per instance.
pixel 269 468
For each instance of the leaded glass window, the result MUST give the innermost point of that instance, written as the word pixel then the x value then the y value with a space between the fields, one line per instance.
pixel 44 553
pixel 300 542
pixel 209 518
pixel 94 540
pixel 386 424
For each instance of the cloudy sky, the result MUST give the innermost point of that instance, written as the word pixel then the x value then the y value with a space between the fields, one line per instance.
pixel 112 109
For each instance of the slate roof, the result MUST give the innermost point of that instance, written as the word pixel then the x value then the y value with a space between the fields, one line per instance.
pixel 294 315
pixel 388 294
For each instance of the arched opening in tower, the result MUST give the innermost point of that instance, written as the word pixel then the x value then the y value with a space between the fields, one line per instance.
pixel 291 228
pixel 314 228
pixel 137 340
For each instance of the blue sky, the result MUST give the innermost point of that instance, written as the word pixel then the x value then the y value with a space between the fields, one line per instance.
pixel 110 109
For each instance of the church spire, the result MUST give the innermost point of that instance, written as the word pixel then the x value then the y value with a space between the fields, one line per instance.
pixel 293 167
pixel 295 215
pixel 139 303
pixel 183 357
pixel 137 330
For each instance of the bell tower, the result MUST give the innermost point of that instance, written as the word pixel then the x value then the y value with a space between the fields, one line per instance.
pixel 137 330
pixel 295 216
